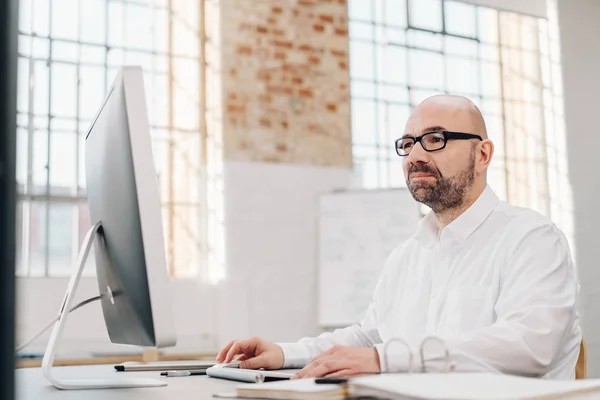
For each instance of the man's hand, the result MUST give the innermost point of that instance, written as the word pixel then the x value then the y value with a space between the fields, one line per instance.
pixel 255 353
pixel 342 361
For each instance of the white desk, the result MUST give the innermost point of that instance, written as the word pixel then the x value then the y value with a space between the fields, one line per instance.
pixel 31 385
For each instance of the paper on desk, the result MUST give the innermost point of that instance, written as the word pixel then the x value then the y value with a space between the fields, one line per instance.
pixel 470 386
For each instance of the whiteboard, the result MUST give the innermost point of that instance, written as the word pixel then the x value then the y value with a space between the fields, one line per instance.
pixel 357 231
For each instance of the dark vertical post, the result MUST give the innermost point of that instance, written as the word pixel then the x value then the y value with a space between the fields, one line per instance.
pixel 8 114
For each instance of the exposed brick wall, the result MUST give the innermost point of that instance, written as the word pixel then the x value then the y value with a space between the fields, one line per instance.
pixel 286 81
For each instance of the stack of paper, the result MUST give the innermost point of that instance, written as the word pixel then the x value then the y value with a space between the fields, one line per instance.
pixel 299 389
pixel 471 386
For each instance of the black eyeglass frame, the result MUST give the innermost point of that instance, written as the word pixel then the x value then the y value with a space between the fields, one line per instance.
pixel 448 135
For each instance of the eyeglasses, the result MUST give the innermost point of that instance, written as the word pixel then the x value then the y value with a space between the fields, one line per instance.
pixel 431 141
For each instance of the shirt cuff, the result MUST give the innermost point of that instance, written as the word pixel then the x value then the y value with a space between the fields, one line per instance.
pixel 295 355
pixel 399 358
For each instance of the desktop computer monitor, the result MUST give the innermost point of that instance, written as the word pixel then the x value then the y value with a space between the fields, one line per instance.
pixel 127 234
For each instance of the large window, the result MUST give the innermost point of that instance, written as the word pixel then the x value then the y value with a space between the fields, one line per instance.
pixel 402 51
pixel 69 53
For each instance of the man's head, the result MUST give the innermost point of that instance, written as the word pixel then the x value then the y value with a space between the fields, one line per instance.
pixel 444 179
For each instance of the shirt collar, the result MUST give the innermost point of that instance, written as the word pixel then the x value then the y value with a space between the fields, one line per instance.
pixel 463 226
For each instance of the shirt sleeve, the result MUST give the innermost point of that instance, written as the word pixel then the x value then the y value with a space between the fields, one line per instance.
pixel 536 311
pixel 365 334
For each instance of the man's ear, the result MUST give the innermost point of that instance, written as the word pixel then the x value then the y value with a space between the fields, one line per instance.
pixel 485 154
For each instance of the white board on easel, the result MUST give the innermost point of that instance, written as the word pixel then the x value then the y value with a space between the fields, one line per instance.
pixel 357 231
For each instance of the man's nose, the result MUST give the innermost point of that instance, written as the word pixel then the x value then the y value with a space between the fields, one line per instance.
pixel 418 154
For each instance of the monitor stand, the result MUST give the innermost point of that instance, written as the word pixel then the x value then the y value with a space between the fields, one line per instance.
pixel 67 304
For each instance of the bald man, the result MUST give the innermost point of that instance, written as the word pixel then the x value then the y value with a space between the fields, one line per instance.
pixel 493 282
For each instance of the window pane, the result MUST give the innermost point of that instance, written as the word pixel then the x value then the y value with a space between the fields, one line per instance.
pixel 363 122
pixel 489 52
pixel 362 89
pixel 461 47
pixel 138 28
pixel 384 172
pixel 491 106
pixel 63 156
pixel 361 60
pixel 92 91
pixel 425 40
pixel 360 30
pixel 41 21
pixel 426 14
pixel 487 25
pixel 65 51
pixel 360 9
pixel 397 116
pixel 115 57
pixel 144 60
pixel 20 268
pixel 397 178
pixel 93 15
pixel 366 173
pixel 161 33
pixel 160 116
pixel 83 226
pixel 529 33
pixel 392 64
pixel 92 54
pixel 81 182
pixel 461 76
pixel 24 46
pixel 394 93
pixel 387 36
pixel 460 18
pixel 61 124
pixel 426 69
pixel 64 90
pixel 116 21
pixel 37 239
pixel 185 41
pixel 41 48
pixel 40 88
pixel 23 85
pixel 65 18
pixel 417 96
pixel 25 16
pixel 21 165
pixel 60 239
pixel 40 158
pixel 185 97
pixel 395 12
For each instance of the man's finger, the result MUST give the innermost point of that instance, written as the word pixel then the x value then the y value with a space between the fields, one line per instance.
pixel 224 350
pixel 327 366
pixel 253 363
pixel 233 351
pixel 247 347
pixel 340 373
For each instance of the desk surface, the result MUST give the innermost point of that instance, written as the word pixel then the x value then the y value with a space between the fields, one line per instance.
pixel 31 385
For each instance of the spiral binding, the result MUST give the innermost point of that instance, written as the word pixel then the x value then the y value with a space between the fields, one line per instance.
pixel 449 367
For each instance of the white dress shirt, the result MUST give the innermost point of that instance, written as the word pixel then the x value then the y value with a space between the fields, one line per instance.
pixel 497 285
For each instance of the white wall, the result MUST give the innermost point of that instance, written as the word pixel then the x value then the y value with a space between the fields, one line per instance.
pixel 580 51
pixel 38 301
pixel 270 288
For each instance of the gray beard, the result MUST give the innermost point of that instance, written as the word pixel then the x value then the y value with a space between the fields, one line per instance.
pixel 446 193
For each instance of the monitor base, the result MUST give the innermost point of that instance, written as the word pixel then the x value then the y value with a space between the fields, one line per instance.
pixel 50 353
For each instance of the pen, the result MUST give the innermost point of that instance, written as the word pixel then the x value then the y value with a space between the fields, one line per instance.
pixel 182 373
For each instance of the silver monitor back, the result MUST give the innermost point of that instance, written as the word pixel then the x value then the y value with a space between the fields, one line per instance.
pixel 123 195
